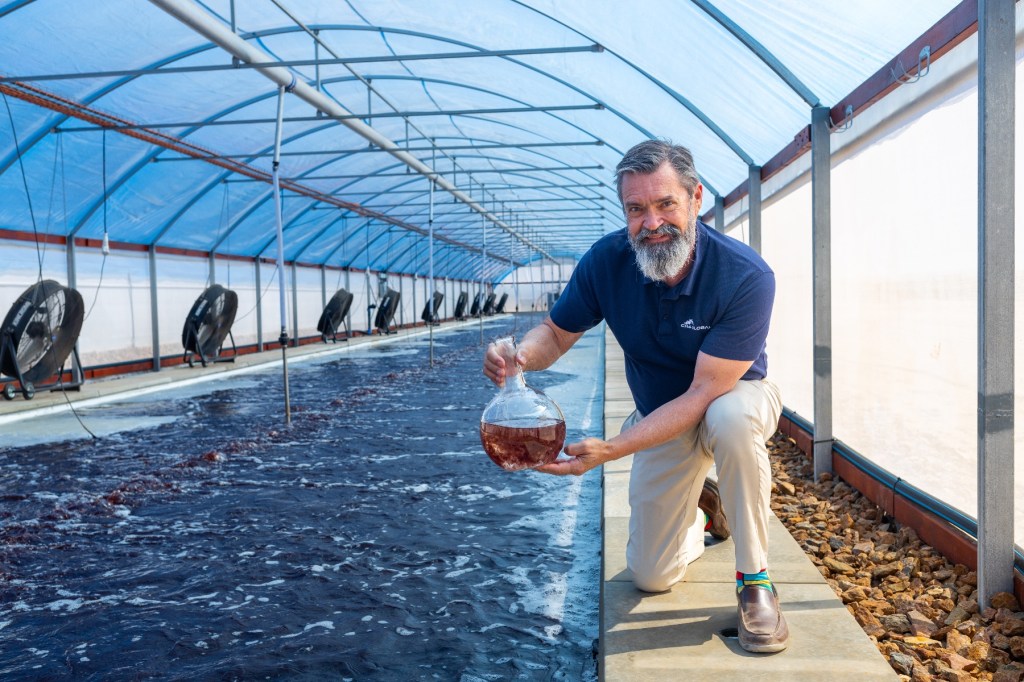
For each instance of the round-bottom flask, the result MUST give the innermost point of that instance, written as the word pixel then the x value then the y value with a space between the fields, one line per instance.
pixel 520 428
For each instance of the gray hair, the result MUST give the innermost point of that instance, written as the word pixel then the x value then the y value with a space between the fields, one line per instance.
pixel 647 157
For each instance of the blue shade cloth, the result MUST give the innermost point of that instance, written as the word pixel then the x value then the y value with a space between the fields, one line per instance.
pixel 702 74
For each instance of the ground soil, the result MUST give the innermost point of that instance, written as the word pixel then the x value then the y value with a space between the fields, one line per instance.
pixel 920 609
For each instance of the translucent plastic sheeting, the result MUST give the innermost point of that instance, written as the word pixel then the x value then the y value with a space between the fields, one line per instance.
pixel 159 196
pixel 904 292
pixel 786 246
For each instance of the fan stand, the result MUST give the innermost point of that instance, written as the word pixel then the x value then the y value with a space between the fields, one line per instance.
pixel 192 334
pixel 28 389
pixel 7 349
pixel 77 375
pixel 332 331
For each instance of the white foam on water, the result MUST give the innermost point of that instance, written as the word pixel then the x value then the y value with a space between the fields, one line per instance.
pixel 325 624
pixel 68 605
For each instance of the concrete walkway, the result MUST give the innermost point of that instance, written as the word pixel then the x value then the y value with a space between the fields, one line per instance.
pixel 683 634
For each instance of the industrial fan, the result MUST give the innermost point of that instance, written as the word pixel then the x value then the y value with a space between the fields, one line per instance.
pixel 430 316
pixel 489 305
pixel 500 308
pixel 208 324
pixel 38 334
pixel 335 314
pixel 478 306
pixel 386 311
pixel 460 305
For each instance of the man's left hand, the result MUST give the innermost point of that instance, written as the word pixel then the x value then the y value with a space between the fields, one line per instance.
pixel 583 457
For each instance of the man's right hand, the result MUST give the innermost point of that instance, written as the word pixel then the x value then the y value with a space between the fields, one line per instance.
pixel 494 363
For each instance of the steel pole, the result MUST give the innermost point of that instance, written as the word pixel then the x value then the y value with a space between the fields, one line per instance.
pixel 430 271
pixel 995 297
pixel 283 339
pixel 483 268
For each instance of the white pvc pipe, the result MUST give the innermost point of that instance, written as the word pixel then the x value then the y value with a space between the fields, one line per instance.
pixel 430 271
pixel 280 250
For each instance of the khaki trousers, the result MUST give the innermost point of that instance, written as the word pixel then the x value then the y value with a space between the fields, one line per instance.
pixel 666 528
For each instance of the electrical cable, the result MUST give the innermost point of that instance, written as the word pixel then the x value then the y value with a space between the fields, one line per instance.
pixel 106 243
pixel 24 182
pixel 260 299
pixel 39 254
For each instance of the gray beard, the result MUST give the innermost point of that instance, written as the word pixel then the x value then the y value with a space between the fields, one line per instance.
pixel 663 261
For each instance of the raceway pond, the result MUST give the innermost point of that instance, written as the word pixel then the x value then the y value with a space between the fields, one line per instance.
pixel 200 538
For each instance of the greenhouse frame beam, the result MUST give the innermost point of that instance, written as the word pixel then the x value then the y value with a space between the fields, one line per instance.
pixel 241 65
pixel 324 118
pixel 821 257
pixel 763 53
pixel 209 27
pixel 350 192
pixel 518 201
pixel 470 171
pixel 391 150
pixel 754 208
pixel 154 308
pixel 996 75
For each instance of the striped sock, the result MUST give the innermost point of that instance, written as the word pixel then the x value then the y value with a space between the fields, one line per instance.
pixel 707 522
pixel 760 579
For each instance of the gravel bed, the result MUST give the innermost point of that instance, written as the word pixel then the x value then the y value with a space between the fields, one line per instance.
pixel 919 609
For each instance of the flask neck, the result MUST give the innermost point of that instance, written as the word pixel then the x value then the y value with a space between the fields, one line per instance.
pixel 514 380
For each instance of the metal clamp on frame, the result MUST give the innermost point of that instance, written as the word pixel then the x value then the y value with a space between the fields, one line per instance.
pixel 924 65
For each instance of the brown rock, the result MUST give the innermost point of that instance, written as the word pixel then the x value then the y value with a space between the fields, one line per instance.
pixel 1012 627
pixel 968 627
pixel 976 651
pixel 1000 641
pixel 1011 672
pixel 1004 600
pixel 958 662
pixel 957 615
pixel 863 548
pixel 916 641
pixel 787 487
pixel 901 663
pixel 878 606
pixel 956 640
pixel 896 622
pixel 868 622
pixel 920 625
pixel 854 594
pixel 996 659
pixel 1017 647
pixel 885 570
pixel 920 674
pixel 838 566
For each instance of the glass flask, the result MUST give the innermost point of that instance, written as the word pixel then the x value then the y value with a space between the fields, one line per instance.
pixel 520 428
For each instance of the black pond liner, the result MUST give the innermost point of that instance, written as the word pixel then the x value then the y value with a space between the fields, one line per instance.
pixel 372 539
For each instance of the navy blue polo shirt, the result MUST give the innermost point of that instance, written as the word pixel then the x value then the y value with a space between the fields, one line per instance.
pixel 722 307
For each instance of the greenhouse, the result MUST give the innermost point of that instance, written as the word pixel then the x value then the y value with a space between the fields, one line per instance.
pixel 254 255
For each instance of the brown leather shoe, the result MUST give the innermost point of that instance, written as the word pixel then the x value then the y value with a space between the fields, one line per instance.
pixel 762 628
pixel 711 504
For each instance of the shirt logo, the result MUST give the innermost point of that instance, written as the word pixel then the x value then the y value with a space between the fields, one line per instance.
pixel 690 324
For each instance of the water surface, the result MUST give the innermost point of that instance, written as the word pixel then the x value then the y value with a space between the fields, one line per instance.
pixel 200 538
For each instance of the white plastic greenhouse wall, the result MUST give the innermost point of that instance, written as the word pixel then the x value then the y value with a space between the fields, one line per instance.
pixel 116 291
pixel 904 283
